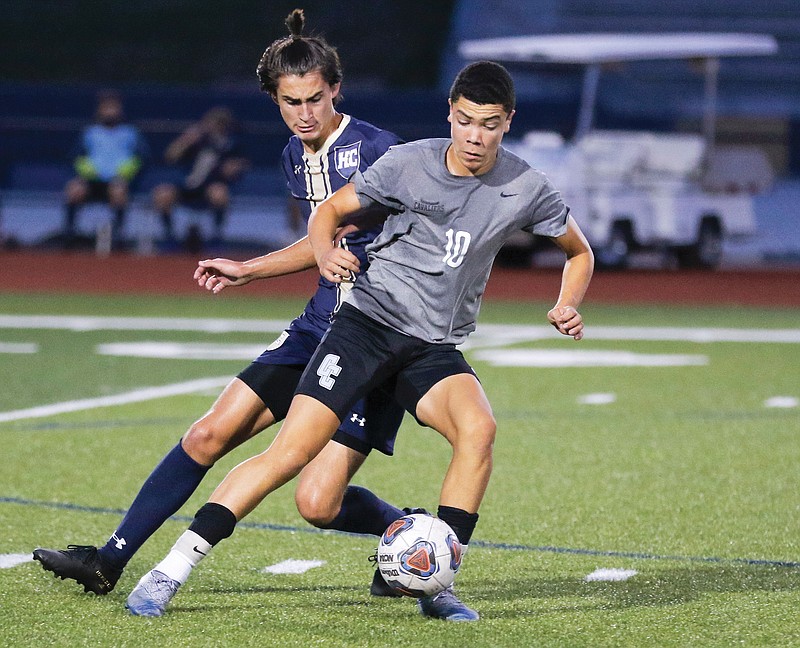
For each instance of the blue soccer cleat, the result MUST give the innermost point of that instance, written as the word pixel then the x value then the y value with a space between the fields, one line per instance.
pixel 446 606
pixel 152 594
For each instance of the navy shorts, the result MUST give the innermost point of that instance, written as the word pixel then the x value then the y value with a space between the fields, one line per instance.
pixel 358 353
pixel 371 423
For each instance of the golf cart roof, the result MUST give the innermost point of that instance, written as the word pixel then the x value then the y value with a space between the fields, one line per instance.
pixel 594 50
pixel 588 49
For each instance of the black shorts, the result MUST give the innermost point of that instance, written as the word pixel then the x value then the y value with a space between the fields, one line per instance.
pixel 372 422
pixel 358 353
pixel 195 197
pixel 97 191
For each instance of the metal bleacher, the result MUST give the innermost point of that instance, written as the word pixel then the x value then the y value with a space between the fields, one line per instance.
pixel 40 124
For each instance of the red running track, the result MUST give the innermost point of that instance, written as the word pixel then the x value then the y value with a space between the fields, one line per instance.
pixel 83 272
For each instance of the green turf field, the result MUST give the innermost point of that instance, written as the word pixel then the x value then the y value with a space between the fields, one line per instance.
pixel 676 459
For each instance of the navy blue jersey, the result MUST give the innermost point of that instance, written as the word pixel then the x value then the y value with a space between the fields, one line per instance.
pixel 354 146
pixel 311 178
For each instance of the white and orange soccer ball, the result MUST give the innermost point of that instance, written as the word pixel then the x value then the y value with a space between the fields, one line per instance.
pixel 419 555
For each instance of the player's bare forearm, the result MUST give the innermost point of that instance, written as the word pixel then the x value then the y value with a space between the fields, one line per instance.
pixel 334 263
pixel 294 258
pixel 217 274
pixel 578 269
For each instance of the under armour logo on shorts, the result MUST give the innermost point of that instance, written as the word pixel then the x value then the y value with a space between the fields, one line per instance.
pixel 328 368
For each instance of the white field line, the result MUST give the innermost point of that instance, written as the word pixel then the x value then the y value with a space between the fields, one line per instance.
pixel 292 566
pixel 598 398
pixel 569 358
pixel 782 402
pixel 485 335
pixel 19 347
pixel 493 335
pixel 610 574
pixel 88 323
pixel 135 396
pixel 7 561
pixel 181 350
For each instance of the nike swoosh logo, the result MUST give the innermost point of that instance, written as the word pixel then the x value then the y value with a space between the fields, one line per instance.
pixel 505 195
pixel 202 553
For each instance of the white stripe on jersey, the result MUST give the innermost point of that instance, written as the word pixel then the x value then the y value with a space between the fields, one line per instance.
pixel 346 286
pixel 317 168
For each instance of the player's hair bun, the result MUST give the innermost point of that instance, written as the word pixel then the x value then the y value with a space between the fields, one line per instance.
pixel 295 22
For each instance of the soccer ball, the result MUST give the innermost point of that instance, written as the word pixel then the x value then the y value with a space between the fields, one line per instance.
pixel 419 555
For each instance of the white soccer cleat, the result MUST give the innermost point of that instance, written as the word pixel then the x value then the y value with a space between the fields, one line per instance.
pixel 152 594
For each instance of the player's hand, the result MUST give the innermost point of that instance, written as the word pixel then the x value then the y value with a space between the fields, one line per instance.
pixel 347 230
pixel 216 274
pixel 567 321
pixel 338 265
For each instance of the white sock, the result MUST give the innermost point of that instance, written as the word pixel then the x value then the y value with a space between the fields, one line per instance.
pixel 184 556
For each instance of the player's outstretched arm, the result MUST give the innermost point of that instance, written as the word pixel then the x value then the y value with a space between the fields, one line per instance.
pixel 217 274
pixel 575 279
pixel 335 263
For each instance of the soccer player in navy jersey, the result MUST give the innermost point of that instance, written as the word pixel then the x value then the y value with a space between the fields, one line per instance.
pixel 453 202
pixel 303 76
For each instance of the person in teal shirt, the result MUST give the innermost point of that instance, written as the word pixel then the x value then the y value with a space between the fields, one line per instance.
pixel 109 158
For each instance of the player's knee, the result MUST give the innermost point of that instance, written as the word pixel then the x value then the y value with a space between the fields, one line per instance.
pixel 479 437
pixel 314 506
pixel 205 442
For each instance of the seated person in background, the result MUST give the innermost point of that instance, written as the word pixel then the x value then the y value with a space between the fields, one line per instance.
pixel 110 155
pixel 211 152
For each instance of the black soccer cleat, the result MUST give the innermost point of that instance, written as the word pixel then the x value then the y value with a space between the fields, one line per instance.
pixel 81 563
pixel 380 587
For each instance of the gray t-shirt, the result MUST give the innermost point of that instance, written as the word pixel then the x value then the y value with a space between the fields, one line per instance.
pixel 429 267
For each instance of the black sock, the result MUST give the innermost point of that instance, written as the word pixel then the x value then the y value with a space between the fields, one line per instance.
pixel 460 521
pixel 213 522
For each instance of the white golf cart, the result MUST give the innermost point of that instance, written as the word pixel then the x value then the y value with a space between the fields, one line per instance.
pixel 635 190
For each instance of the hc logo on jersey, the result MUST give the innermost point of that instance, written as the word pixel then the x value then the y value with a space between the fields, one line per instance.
pixel 347 159
pixel 328 367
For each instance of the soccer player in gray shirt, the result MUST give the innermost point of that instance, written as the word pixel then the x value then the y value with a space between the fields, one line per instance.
pixel 453 202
